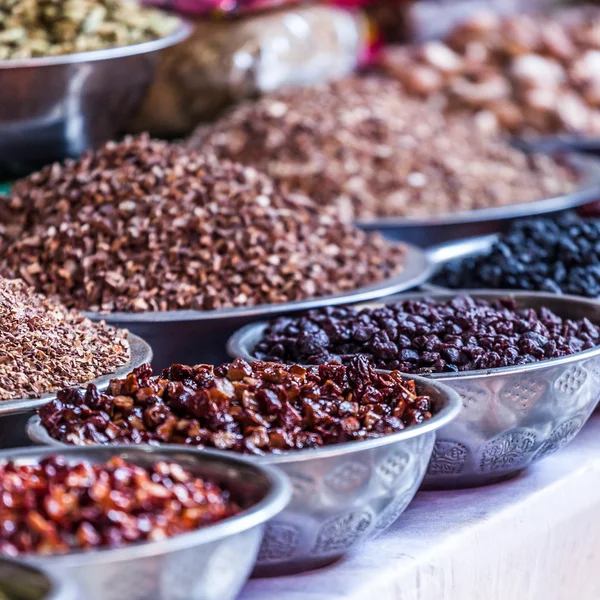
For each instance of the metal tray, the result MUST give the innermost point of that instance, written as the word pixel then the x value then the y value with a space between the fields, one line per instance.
pixel 210 563
pixel 53 107
pixel 344 494
pixel 193 337
pixel 14 414
pixel 426 232
pixel 457 250
pixel 512 416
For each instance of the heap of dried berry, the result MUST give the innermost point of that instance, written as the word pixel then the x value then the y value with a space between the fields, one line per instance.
pixel 428 335
pixel 251 408
pixel 55 505
pixel 144 225
pixel 370 150
pixel 561 256
pixel 45 347
pixel 521 74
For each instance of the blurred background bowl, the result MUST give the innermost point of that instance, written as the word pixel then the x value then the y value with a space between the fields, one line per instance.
pixel 58 106
pixel 512 416
pixel 437 229
pixel 344 494
pixel 211 563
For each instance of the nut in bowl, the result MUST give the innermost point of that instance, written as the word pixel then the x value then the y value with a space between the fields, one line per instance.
pixel 512 415
pixel 354 442
pixel 197 539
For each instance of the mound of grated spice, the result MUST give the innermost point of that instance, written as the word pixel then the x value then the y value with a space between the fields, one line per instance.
pixel 367 148
pixel 144 225
pixel 45 347
pixel 253 408
pixel 58 505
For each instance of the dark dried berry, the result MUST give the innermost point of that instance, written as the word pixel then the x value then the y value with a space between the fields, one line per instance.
pixel 561 256
pixel 462 334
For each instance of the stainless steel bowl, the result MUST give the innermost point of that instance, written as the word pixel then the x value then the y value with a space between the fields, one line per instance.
pixel 343 494
pixel 20 581
pixel 193 337
pixel 58 106
pixel 14 414
pixel 212 563
pixel 437 229
pixel 512 416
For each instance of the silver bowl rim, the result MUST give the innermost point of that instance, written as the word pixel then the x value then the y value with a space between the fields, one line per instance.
pixel 275 500
pixel 237 343
pixel 587 191
pixel 181 33
pixel 140 353
pixel 451 407
pixel 60 587
pixel 417 269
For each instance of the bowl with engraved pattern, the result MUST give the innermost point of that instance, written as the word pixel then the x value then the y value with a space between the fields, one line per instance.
pixel 512 416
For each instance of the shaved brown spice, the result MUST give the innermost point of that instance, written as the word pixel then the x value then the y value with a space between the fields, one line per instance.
pixel 369 149
pixel 253 408
pixel 144 225
pixel 55 506
pixel 45 347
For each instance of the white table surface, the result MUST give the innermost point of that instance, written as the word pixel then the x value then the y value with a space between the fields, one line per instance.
pixel 535 537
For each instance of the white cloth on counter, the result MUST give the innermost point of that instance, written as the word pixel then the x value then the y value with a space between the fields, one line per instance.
pixel 535 537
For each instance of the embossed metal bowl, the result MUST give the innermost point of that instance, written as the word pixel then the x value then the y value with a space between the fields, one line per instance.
pixel 211 563
pixel 512 416
pixel 20 581
pixel 14 414
pixel 53 107
pixel 343 494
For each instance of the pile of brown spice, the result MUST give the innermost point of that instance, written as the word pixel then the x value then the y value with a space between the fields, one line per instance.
pixel 522 74
pixel 144 225
pixel 369 149
pixel 45 347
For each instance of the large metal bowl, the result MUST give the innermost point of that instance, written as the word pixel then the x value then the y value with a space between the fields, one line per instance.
pixel 343 494
pixel 512 416
pixel 437 229
pixel 20 581
pixel 194 337
pixel 212 563
pixel 58 106
pixel 14 414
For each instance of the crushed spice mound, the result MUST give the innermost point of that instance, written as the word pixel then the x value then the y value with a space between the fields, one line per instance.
pixel 144 225
pixel 367 148
pixel 45 347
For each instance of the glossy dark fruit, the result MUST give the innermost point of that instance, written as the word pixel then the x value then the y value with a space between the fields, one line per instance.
pixel 428 336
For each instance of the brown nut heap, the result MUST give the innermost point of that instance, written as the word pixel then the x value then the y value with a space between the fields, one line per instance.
pixel 251 408
pixel 143 225
pixel 365 147
pixel 54 506
pixel 45 347
pixel 521 74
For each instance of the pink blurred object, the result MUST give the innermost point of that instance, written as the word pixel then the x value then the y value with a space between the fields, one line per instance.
pixel 242 7
pixel 226 7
